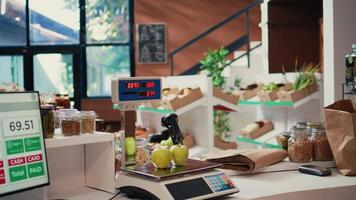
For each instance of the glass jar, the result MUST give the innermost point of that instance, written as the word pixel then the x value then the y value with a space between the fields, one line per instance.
pixel 47 114
pixel 300 145
pixel 88 121
pixel 283 138
pixel 316 125
pixel 70 124
pixel 301 125
pixel 142 152
pixel 322 149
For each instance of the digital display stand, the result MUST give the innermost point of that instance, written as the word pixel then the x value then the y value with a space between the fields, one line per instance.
pixel 23 161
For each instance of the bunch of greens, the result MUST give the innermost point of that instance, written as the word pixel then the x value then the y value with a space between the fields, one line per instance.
pixel 270 87
pixel 214 62
pixel 305 76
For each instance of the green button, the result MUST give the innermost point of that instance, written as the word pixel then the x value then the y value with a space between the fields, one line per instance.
pixel 14 146
pixel 35 169
pixel 18 173
pixel 32 144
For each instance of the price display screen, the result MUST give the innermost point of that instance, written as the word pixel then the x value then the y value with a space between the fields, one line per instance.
pixel 138 90
pixel 23 163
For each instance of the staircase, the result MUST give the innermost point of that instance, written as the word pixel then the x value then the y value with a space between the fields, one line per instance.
pixel 243 41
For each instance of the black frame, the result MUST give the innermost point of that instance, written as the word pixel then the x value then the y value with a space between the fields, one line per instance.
pixel 44 146
pixel 77 50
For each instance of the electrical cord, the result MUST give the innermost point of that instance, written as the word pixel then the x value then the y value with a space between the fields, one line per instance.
pixel 115 196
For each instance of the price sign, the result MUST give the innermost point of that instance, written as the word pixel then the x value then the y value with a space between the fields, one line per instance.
pixel 23 163
pixel 21 126
pixel 139 89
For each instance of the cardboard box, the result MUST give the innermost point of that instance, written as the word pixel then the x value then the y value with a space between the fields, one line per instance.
pixel 177 102
pixel 267 96
pixel 295 96
pixel 231 98
pixel 266 127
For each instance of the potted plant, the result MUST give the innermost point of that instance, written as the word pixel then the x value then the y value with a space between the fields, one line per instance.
pixel 214 62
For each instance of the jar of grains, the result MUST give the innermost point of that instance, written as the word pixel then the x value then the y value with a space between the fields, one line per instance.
pixel 47 114
pixel 88 121
pixel 322 150
pixel 142 152
pixel 300 145
pixel 70 124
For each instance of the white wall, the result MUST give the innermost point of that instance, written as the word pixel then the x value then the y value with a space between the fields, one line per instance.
pixel 339 34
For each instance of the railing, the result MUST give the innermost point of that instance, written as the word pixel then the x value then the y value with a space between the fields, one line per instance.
pixel 243 40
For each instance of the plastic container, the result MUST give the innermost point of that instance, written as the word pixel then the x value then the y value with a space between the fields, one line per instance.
pixel 48 120
pixel 70 124
pixel 300 145
pixel 142 152
pixel 88 121
pixel 321 146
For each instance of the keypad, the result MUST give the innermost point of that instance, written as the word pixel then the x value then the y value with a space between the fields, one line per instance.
pixel 219 182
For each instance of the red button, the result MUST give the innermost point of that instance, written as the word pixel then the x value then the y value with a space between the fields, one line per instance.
pixel 2 177
pixel 34 158
pixel 1 164
pixel 16 161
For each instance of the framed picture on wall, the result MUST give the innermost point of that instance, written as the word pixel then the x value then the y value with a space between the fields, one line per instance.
pixel 152 46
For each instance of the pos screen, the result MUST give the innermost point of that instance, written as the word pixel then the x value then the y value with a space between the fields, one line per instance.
pixel 23 162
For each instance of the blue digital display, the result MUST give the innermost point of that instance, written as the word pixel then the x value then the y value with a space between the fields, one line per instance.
pixel 139 90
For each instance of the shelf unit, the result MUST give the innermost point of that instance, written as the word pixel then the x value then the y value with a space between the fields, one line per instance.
pixel 195 118
pixel 282 114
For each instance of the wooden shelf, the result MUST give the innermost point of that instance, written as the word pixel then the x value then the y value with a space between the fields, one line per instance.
pixel 224 104
pixel 63 141
pixel 184 109
pixel 277 103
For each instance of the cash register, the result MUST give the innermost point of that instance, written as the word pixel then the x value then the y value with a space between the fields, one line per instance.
pixel 196 180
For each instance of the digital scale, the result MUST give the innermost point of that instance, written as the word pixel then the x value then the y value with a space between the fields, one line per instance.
pixel 196 180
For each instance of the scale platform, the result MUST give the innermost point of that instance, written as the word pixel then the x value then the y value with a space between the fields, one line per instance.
pixel 196 180
pixel 192 166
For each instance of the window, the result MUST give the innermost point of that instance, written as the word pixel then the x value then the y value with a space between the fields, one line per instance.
pixel 101 71
pixel 54 22
pixel 70 47
pixel 11 68
pixel 53 73
pixel 12 23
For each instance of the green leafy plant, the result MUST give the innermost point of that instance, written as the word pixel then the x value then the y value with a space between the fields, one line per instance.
pixel 214 62
pixel 305 76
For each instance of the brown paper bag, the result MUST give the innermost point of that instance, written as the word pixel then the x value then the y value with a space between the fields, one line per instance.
pixel 247 159
pixel 340 121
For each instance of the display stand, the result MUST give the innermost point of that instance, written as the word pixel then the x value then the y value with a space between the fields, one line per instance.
pixel 195 118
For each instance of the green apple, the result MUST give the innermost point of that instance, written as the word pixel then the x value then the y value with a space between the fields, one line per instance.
pixel 180 154
pixel 161 157
pixel 168 142
pixel 130 146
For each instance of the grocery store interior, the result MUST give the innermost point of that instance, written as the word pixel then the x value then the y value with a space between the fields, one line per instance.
pixel 157 99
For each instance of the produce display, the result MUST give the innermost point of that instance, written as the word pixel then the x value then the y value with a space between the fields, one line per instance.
pixel 305 77
pixel 180 154
pixel 130 146
pixel 161 157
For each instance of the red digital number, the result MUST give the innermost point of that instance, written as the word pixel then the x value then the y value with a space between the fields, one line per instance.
pixel 150 85
pixel 150 93
pixel 133 85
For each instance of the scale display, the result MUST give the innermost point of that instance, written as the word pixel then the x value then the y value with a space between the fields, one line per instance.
pixel 23 162
pixel 138 90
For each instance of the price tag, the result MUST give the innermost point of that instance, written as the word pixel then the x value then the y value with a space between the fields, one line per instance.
pixel 20 126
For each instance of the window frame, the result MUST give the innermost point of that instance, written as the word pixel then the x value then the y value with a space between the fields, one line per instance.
pixel 77 50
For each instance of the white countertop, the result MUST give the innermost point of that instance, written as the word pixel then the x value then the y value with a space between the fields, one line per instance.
pixel 294 185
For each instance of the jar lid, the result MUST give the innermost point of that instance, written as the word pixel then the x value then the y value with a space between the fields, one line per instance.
pixel 88 114
pixel 47 107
